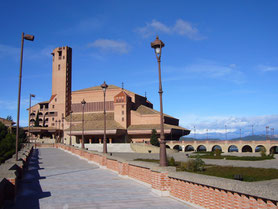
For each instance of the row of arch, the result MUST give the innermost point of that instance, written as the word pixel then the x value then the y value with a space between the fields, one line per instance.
pixel 232 148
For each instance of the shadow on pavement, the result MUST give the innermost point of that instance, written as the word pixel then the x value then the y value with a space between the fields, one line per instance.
pixel 29 188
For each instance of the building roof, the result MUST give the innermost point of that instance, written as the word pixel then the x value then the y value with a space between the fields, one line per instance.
pixel 94 121
pixel 97 88
pixel 154 126
pixel 96 125
pixel 144 110
pixel 7 122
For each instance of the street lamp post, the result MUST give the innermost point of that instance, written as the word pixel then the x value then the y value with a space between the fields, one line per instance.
pixel 29 38
pixel 31 95
pixel 59 131
pixel 83 102
pixel 70 125
pixel 157 46
pixel 226 132
pixel 63 118
pixel 56 135
pixel 104 86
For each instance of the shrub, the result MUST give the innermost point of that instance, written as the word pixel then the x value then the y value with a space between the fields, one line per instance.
pixel 263 152
pixel 154 139
pixel 172 161
pixel 193 165
pixel 217 152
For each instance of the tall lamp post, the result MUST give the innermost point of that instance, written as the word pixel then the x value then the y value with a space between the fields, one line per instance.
pixel 63 118
pixel 70 125
pixel 157 46
pixel 31 95
pixel 59 121
pixel 29 38
pixel 83 102
pixel 104 86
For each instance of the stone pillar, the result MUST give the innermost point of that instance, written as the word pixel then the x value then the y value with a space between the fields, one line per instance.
pixel 99 140
pixel 90 141
pixel 53 136
pixel 110 140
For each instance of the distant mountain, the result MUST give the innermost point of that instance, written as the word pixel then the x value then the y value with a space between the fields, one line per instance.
pixel 254 138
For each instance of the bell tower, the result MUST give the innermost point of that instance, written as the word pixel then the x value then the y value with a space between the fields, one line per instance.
pixel 61 79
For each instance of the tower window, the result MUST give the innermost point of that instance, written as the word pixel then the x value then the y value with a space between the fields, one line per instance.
pixel 53 106
pixel 59 67
pixel 123 112
pixel 52 119
pixel 123 119
pixel 63 57
pixel 55 99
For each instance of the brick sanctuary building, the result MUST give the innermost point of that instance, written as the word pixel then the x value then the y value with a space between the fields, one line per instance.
pixel 130 117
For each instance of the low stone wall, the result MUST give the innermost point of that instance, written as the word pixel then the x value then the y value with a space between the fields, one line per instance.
pixel 147 148
pixel 201 190
pixel 11 171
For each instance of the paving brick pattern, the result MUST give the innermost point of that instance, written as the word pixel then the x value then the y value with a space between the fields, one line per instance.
pixel 56 179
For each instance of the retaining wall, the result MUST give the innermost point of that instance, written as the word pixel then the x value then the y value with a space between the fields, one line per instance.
pixel 201 190
pixel 11 172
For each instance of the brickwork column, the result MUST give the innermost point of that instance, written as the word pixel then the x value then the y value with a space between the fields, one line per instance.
pixel 160 181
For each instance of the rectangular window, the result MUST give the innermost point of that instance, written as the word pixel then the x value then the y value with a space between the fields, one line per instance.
pixel 123 112
pixel 123 119
pixel 59 67
pixel 63 57
pixel 55 99
pixel 123 106
pixel 52 119
pixel 53 106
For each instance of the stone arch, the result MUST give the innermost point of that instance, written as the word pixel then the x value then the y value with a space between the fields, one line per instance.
pixel 216 147
pixel 188 148
pixel 247 148
pixel 167 146
pixel 201 148
pixel 274 150
pixel 177 147
pixel 259 148
pixel 233 148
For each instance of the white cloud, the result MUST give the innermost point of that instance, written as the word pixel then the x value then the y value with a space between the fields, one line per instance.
pixel 267 68
pixel 107 45
pixel 181 27
pixel 206 70
pixel 9 51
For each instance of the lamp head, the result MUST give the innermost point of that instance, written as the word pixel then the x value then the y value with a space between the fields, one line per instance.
pixel 157 46
pixel 29 37
pixel 83 102
pixel 104 86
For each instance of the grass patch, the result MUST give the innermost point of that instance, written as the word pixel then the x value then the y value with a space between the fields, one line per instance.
pixel 228 157
pixel 249 174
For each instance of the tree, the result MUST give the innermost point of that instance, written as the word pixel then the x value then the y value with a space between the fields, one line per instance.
pixel 9 118
pixel 154 139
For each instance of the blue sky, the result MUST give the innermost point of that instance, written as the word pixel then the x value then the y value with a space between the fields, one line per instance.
pixel 219 63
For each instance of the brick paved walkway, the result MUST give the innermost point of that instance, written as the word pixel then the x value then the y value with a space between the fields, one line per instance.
pixel 56 179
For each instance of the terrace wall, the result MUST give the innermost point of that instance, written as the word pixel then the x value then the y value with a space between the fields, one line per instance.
pixel 204 191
